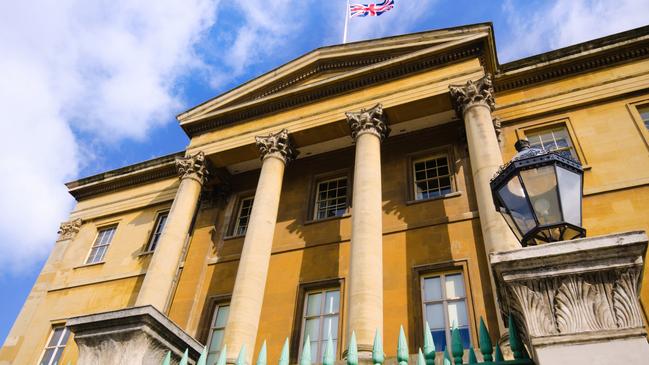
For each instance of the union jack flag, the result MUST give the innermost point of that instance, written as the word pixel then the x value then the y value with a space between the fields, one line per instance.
pixel 362 10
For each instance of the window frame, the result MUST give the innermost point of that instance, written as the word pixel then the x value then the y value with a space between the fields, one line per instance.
pixel 430 270
pixel 59 347
pixel 236 210
pixel 446 151
pixel 634 110
pixel 152 234
pixel 316 196
pixel 297 340
pixel 210 326
pixel 521 133
pixel 100 229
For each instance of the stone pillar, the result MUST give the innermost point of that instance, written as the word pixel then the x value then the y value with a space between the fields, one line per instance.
pixel 248 295
pixel 369 129
pixel 577 302
pixel 158 283
pixel 474 102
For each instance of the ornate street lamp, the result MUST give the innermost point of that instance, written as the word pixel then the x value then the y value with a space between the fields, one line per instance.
pixel 539 195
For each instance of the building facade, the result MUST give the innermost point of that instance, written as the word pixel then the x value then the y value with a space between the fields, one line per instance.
pixel 347 190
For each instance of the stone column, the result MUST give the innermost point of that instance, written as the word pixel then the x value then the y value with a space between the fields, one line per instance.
pixel 248 295
pixel 474 102
pixel 159 280
pixel 369 129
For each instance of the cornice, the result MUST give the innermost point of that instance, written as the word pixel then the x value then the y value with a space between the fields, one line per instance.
pixel 144 172
pixel 580 58
pixel 374 74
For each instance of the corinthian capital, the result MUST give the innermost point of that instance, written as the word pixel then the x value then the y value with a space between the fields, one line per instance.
pixel 368 121
pixel 192 167
pixel 276 145
pixel 68 230
pixel 478 92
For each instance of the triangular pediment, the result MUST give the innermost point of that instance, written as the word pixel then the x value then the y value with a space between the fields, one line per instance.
pixel 327 66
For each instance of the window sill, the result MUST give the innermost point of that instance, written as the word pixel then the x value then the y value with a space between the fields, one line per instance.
pixel 441 197
pixel 89 265
pixel 313 221
pixel 230 238
pixel 586 167
pixel 145 253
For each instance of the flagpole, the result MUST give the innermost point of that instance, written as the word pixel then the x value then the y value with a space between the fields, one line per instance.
pixel 346 23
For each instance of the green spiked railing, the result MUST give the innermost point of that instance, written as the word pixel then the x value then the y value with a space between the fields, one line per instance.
pixel 491 355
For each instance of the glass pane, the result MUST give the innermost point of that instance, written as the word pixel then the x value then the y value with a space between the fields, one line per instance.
pixel 56 336
pixel 92 255
pixel 513 197
pixel 330 326
pixel 216 340
pixel 435 316
pixel 332 300
pixel 101 251
pixel 222 316
pixel 510 223
pixel 457 314
pixel 66 335
pixel 313 302
pixel 466 337
pixel 541 186
pixel 570 191
pixel 312 329
pixel 315 350
pixel 432 289
pixel 454 286
pixel 47 356
pixel 439 338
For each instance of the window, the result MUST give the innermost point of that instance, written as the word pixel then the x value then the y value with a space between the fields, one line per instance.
pixel 431 177
pixel 320 319
pixel 55 346
pixel 555 138
pixel 644 113
pixel 217 329
pixel 157 231
pixel 243 216
pixel 445 306
pixel 99 248
pixel 331 198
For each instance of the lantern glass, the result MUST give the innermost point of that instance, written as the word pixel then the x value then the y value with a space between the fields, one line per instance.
pixel 513 197
pixel 570 193
pixel 541 186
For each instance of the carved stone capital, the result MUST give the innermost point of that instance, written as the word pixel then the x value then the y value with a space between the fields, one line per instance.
pixel 369 121
pixel 193 167
pixel 573 291
pixel 68 230
pixel 473 93
pixel 276 145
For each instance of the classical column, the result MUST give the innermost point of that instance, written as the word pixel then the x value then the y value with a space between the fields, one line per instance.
pixel 248 295
pixel 159 280
pixel 369 129
pixel 474 102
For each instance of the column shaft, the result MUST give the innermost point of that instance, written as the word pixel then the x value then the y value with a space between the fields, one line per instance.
pixel 161 273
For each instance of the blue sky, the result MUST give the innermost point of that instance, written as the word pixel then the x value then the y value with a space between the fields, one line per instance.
pixel 87 86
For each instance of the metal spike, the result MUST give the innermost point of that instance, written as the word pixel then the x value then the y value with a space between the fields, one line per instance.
pixel 241 359
pixel 185 359
pixel 305 359
pixel 352 351
pixel 261 359
pixel 222 356
pixel 456 346
pixel 284 357
pixel 203 359
pixel 167 359
pixel 472 358
pixel 515 340
pixel 420 358
pixel 429 346
pixel 485 342
pixel 447 358
pixel 378 357
pixel 499 355
pixel 402 348
pixel 328 357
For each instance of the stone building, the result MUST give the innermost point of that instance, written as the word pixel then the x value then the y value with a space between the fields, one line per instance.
pixel 345 190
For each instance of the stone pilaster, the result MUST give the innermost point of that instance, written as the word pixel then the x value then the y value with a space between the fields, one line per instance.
pixel 275 151
pixel 577 301
pixel 161 274
pixel 369 128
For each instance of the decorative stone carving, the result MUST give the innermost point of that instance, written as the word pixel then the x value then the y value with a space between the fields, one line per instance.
pixel 498 127
pixel 369 121
pixel 571 291
pixel 478 92
pixel 68 230
pixel 276 145
pixel 193 167
pixel 134 336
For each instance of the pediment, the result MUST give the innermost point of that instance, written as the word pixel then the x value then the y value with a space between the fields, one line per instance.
pixel 329 70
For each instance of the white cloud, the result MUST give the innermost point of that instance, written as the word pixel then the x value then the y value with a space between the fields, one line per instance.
pixel 105 69
pixel 560 23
